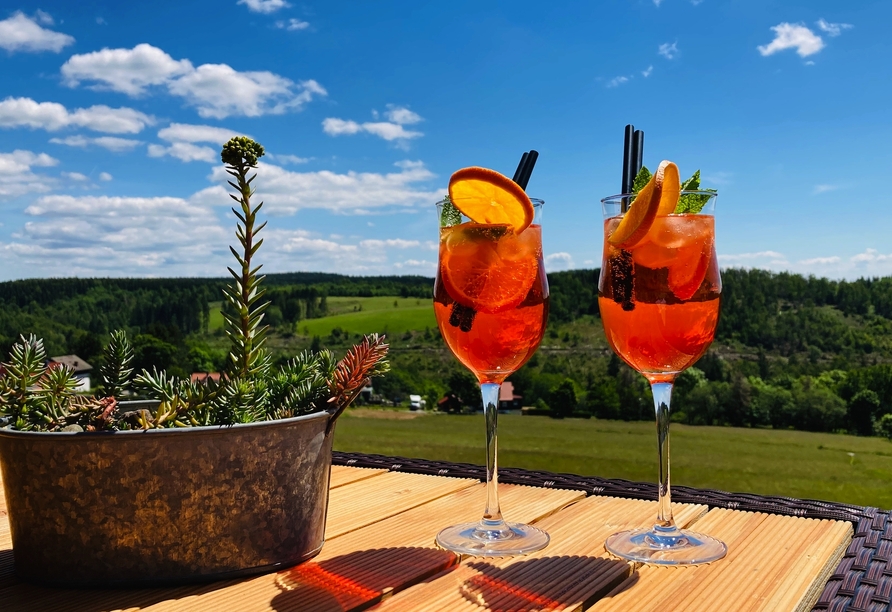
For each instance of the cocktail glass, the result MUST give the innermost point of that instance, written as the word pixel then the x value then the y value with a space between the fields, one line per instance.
pixel 491 304
pixel 659 302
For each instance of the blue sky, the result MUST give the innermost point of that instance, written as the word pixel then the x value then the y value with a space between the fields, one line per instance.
pixel 112 115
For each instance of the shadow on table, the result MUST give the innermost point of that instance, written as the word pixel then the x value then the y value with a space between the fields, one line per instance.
pixel 544 583
pixel 356 580
pixel 26 597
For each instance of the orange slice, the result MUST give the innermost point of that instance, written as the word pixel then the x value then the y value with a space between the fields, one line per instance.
pixel 638 219
pixel 485 196
pixel 670 187
pixel 487 267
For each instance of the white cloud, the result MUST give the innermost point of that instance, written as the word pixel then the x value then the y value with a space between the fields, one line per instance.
pixel 44 17
pixel 388 130
pixel 111 143
pixel 833 29
pixel 216 90
pixel 617 81
pixel 184 132
pixel 820 261
pixel 105 176
pixel 824 188
pixel 119 236
pixel 669 51
pixel 558 261
pixel 76 176
pixel 869 263
pixel 402 115
pixel 21 33
pixel 339 127
pixel 287 159
pixel 219 91
pixel 52 116
pixel 397 243
pixel 264 6
pixel 293 25
pixel 761 259
pixel 285 192
pixel 16 174
pixel 657 3
pixel 184 151
pixel 182 137
pixel 128 71
pixel 793 36
pixel 647 73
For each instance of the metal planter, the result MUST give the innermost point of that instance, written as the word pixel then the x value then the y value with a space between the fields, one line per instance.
pixel 169 506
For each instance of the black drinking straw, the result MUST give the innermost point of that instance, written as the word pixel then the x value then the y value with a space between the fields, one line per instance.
pixel 628 175
pixel 633 157
pixel 520 166
pixel 528 169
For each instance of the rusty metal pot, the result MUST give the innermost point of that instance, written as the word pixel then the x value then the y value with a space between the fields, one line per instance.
pixel 167 506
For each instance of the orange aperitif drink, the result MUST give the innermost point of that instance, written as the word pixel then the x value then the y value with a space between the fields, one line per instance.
pixel 491 304
pixel 659 299
pixel 658 294
pixel 491 296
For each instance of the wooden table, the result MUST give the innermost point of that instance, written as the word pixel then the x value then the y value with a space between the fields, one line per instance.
pixel 380 554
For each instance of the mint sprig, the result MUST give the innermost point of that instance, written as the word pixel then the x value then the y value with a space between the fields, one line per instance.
pixel 450 215
pixel 690 203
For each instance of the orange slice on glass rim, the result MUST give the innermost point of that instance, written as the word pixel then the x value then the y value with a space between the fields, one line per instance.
pixel 486 196
pixel 658 197
pixel 667 178
pixel 637 221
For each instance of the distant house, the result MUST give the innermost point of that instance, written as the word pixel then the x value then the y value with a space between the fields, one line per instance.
pixel 449 403
pixel 508 400
pixel 205 377
pixel 81 369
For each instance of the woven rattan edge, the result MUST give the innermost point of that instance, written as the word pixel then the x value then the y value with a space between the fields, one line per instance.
pixel 862 582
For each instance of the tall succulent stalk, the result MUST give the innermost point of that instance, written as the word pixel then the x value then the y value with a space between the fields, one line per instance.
pixel 244 327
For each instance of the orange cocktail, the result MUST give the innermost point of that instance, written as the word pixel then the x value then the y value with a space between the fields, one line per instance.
pixel 491 296
pixel 491 303
pixel 659 299
pixel 658 294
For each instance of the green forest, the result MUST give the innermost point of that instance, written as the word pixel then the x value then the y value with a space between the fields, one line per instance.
pixel 791 352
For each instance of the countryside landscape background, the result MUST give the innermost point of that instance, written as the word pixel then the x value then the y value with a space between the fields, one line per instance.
pixel 793 398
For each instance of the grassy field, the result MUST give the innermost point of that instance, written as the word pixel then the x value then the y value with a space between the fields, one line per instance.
pixel 389 315
pixel 361 315
pixel 791 463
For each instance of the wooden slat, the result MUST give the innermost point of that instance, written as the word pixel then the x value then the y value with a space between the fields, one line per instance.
pixel 572 572
pixel 357 569
pixel 345 474
pixel 773 563
pixel 369 501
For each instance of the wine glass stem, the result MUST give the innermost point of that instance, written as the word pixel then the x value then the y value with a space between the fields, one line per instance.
pixel 492 517
pixel 662 392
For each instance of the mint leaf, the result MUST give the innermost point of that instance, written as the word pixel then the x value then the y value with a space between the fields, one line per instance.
pixel 641 180
pixel 450 214
pixel 693 203
pixel 693 183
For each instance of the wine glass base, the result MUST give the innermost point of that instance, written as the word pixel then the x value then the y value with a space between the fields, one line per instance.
pixel 470 539
pixel 647 546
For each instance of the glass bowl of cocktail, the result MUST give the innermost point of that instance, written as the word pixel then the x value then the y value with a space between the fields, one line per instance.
pixel 491 304
pixel 658 294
